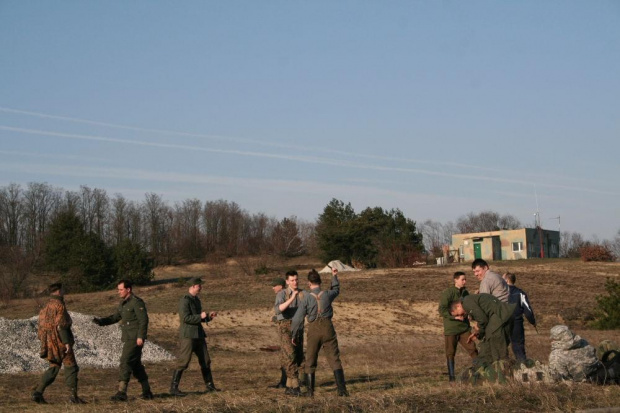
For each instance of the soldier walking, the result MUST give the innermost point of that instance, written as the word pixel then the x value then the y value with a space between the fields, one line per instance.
pixel 57 345
pixel 192 338
pixel 317 305
pixel 455 331
pixel 291 346
pixel 134 321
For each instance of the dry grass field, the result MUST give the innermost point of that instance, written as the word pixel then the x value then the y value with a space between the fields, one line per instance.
pixel 389 332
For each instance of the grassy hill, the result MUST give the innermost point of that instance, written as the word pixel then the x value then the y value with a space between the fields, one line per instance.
pixel 389 332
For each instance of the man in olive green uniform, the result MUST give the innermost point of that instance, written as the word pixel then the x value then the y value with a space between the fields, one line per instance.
pixel 192 337
pixel 134 322
pixel 291 355
pixel 57 342
pixel 317 305
pixel 455 331
pixel 494 318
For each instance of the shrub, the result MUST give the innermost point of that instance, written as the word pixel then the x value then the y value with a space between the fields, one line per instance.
pixel 596 253
pixel 609 307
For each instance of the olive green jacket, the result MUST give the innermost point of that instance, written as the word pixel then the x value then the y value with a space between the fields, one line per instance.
pixel 489 312
pixel 452 327
pixel 189 317
pixel 134 319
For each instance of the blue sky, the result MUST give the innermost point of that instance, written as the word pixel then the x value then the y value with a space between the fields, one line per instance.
pixel 438 108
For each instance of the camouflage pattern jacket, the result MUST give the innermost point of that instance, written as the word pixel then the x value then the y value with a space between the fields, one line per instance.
pixel 452 327
pixel 190 309
pixel 571 357
pixel 133 318
pixel 54 329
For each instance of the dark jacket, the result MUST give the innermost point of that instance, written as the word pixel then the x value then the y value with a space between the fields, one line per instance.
pixel 452 327
pixel 189 316
pixel 524 308
pixel 134 319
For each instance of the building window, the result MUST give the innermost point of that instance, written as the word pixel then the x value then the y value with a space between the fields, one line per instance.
pixel 517 246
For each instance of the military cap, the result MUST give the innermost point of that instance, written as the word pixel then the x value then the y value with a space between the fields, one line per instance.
pixel 278 281
pixel 195 281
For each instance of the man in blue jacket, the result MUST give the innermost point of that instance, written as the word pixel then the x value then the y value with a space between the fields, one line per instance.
pixel 524 308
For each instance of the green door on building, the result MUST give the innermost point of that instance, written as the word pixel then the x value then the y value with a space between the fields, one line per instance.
pixel 477 250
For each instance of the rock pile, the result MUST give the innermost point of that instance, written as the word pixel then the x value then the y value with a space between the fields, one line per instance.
pixel 94 346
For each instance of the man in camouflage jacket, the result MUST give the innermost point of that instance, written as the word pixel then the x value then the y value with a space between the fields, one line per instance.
pixel 134 322
pixel 57 345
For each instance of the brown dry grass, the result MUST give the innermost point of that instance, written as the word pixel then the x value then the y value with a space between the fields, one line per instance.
pixel 390 338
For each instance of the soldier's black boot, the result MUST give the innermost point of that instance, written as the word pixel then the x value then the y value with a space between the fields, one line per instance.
pixel 37 397
pixel 74 398
pixel 208 378
pixel 147 394
pixel 121 394
pixel 174 386
pixel 282 383
pixel 310 385
pixel 451 376
pixel 342 387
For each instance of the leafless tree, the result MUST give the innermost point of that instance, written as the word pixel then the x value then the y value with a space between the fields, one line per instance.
pixel 570 243
pixel 40 202
pixel 11 215
pixel 285 238
pixel 486 221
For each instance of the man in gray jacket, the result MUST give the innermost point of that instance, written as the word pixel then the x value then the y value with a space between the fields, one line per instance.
pixel 192 338
pixel 490 281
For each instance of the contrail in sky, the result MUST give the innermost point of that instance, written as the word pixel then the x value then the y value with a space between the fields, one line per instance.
pixel 242 140
pixel 306 159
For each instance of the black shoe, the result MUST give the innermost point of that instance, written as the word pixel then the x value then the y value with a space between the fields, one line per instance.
pixel 174 386
pixel 207 376
pixel 147 395
pixel 74 399
pixel 119 397
pixel 310 385
pixel 451 376
pixel 37 397
pixel 293 391
pixel 282 383
pixel 342 387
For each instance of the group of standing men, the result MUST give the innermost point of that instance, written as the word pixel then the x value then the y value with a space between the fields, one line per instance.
pixel 292 306
pixel 497 309
pixel 57 341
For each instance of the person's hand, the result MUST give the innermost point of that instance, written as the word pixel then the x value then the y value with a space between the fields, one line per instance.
pixel 472 336
pixel 97 321
pixel 293 341
pixel 212 314
pixel 67 348
pixel 203 315
pixel 335 271
pixel 459 317
pixel 139 342
pixel 295 292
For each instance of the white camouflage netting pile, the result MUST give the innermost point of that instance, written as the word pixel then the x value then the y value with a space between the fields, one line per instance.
pixel 94 346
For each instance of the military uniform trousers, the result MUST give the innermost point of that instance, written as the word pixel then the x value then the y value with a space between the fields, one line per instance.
pixel 321 333
pixel 71 372
pixel 189 346
pixel 291 356
pixel 494 346
pixel 131 362
pixel 452 341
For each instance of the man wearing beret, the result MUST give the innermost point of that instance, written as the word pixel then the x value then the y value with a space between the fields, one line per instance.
pixel 291 346
pixel 192 338
pixel 134 321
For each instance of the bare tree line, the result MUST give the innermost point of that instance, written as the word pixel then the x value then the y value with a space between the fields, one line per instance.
pixel 187 230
